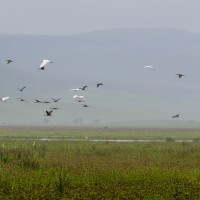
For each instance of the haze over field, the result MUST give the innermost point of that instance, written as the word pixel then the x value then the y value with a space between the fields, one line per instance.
pixel 109 42
pixel 64 17
pixel 115 57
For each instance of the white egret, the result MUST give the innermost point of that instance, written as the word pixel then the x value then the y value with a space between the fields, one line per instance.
pixel 149 67
pixel 76 89
pixel 79 98
pixel 4 99
pixel 44 63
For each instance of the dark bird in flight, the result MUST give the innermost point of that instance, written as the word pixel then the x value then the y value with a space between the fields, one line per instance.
pixel 180 75
pixel 98 84
pixel 48 113
pixel 56 100
pixel 85 106
pixel 21 89
pixel 23 100
pixel 55 108
pixel 9 61
pixel 37 101
pixel 175 116
pixel 84 87
pixel 46 102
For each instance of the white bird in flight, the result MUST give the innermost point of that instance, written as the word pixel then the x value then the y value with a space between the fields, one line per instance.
pixel 4 99
pixel 79 98
pixel 76 89
pixel 149 67
pixel 44 63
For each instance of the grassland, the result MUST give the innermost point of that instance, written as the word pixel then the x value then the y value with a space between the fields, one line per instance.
pixel 99 170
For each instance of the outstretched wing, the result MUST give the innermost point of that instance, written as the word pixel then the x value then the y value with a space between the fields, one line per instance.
pixel 84 87
pixel 4 98
pixel 49 112
pixel 44 63
pixel 98 84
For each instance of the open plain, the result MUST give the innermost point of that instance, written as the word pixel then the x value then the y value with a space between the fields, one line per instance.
pixel 31 168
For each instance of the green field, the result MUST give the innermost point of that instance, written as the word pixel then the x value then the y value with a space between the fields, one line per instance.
pixel 98 133
pixel 35 169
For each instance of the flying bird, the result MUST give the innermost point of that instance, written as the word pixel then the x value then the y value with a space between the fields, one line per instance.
pixel 76 89
pixel 150 67
pixel 44 63
pixel 56 100
pixel 46 102
pixel 84 87
pixel 175 116
pixel 79 98
pixel 23 100
pixel 9 61
pixel 4 99
pixel 98 84
pixel 21 89
pixel 37 101
pixel 48 113
pixel 55 108
pixel 180 75
pixel 85 106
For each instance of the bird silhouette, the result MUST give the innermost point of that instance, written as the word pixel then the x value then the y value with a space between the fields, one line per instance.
pixel 176 116
pixel 23 100
pixel 180 75
pixel 84 87
pixel 46 102
pixel 48 113
pixel 98 84
pixel 54 108
pixel 37 101
pixel 9 61
pixel 85 106
pixel 56 100
pixel 21 89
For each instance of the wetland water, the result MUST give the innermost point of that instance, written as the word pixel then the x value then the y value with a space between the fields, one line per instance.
pixel 95 140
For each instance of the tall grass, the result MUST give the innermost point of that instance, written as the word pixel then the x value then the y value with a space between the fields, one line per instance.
pixel 89 170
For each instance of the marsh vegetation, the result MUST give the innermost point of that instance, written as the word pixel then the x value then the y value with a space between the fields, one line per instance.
pixel 98 170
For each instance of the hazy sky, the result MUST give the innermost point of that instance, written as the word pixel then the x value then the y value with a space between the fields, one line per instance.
pixel 63 17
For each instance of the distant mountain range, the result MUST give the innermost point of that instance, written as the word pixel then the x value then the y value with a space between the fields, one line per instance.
pixel 115 57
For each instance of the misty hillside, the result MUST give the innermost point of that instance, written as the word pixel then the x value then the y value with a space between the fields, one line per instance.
pixel 116 58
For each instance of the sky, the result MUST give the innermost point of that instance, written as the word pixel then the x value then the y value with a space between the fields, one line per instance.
pixel 65 17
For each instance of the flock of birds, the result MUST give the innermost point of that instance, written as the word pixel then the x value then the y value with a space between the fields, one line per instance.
pixel 78 98
pixel 48 113
pixel 179 76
